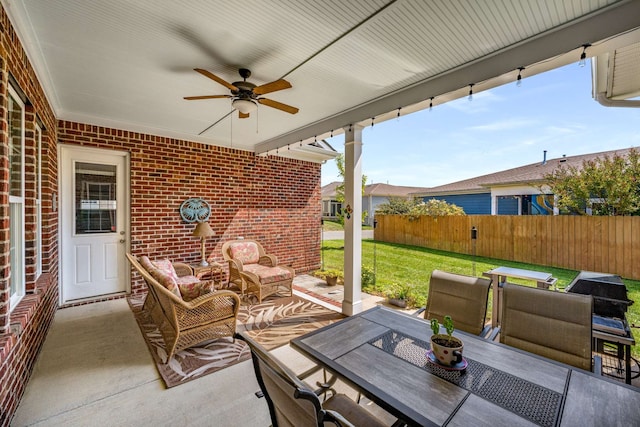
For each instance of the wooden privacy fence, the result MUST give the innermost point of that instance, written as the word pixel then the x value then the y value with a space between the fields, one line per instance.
pixel 609 244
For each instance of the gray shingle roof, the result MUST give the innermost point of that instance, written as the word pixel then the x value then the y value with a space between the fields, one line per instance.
pixel 382 190
pixel 528 174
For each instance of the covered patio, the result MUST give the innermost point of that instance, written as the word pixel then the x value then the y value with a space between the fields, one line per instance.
pixel 108 378
pixel 93 90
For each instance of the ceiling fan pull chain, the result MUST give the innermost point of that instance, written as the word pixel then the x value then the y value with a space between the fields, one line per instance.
pixel 231 130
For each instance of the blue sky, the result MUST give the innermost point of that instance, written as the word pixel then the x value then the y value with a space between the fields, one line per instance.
pixel 499 129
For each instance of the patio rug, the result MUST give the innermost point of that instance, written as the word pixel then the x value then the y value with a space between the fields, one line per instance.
pixel 272 323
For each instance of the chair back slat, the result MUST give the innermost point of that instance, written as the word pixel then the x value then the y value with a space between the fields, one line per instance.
pixel 291 403
pixel 556 325
pixel 464 298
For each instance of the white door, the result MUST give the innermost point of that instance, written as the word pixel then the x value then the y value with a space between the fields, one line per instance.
pixel 93 222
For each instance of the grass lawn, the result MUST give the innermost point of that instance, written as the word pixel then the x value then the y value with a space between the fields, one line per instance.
pixel 336 226
pixel 402 264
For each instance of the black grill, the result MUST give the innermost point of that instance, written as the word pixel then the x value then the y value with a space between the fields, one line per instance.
pixel 608 290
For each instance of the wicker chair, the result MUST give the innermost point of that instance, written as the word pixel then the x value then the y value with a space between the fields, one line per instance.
pixel 186 323
pixel 293 403
pixel 253 271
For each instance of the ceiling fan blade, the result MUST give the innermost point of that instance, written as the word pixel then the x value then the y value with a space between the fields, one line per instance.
pixel 242 115
pixel 279 105
pixel 216 79
pixel 271 87
pixel 191 98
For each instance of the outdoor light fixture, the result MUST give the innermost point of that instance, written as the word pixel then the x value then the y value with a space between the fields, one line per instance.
pixel 203 230
pixel 245 106
pixel 470 92
pixel 583 55
pixel 519 79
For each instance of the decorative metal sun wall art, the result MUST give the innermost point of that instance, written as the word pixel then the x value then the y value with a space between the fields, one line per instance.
pixel 195 210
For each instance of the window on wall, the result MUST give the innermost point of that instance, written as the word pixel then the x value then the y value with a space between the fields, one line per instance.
pixel 38 201
pixel 16 197
pixel 95 187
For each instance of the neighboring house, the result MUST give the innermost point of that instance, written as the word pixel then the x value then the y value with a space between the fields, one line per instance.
pixel 331 207
pixel 518 191
pixel 373 196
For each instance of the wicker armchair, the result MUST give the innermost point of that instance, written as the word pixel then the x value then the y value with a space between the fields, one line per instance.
pixel 253 271
pixel 186 323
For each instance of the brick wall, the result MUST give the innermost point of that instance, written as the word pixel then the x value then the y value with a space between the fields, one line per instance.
pixel 30 323
pixel 271 199
pixel 274 200
pixel 23 329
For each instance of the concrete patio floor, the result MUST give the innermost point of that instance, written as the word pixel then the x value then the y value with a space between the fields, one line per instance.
pixel 95 369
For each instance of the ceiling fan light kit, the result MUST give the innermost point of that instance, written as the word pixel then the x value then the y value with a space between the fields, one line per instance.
pixel 245 106
pixel 245 96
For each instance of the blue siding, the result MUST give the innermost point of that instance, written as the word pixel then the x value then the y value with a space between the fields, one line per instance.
pixel 473 204
pixel 507 206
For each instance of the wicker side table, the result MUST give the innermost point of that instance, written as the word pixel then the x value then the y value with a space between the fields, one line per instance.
pixel 213 271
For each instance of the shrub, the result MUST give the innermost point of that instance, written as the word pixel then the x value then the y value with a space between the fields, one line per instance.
pixel 368 279
pixel 399 291
pixel 435 207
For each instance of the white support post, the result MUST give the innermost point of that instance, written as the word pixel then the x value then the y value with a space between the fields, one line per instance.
pixel 352 302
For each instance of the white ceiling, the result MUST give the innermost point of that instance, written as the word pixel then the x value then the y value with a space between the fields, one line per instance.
pixel 128 64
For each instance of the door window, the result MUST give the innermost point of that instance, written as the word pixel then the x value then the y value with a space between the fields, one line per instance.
pixel 95 203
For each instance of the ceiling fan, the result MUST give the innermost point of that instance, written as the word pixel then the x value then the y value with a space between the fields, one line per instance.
pixel 246 95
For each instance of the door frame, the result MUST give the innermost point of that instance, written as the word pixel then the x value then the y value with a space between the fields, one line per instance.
pixel 57 206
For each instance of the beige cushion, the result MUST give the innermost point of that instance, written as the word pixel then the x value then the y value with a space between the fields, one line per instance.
pixel 245 252
pixel 556 325
pixel 464 298
pixel 167 280
pixel 191 287
pixel 269 274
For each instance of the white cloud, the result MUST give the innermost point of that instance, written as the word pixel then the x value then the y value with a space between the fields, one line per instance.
pixel 507 124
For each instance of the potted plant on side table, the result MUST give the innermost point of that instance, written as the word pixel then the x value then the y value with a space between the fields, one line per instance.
pixel 445 348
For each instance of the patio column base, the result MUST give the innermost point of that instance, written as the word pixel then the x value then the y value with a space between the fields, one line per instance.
pixel 350 308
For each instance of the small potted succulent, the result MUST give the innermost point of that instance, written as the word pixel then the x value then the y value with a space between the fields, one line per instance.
pixel 446 348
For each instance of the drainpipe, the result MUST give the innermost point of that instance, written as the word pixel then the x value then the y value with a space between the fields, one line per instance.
pixel 601 97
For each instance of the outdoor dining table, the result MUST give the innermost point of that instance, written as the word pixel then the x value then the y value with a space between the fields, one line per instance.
pixel 382 353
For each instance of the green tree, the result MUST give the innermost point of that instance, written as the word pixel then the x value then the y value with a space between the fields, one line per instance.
pixel 340 189
pixel 435 207
pixel 416 207
pixel 606 185
pixel 396 206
